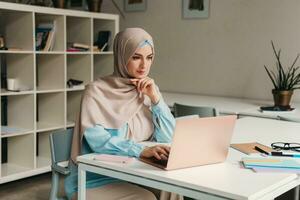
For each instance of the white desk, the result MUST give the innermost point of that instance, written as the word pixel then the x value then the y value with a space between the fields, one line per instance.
pixel 212 182
pixel 226 105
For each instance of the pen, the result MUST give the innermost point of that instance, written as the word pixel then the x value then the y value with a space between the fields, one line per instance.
pixel 274 153
pixel 261 150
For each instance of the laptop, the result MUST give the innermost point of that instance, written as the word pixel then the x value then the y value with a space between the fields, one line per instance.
pixel 197 141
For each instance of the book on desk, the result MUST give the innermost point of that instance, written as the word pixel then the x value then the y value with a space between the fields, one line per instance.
pixel 249 147
pixel 272 164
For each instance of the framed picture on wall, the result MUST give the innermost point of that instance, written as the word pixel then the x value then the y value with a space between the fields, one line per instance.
pixel 192 9
pixel 134 5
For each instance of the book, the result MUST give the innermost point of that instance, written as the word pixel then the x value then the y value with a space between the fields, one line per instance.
pixel 104 46
pixel 49 41
pixel 103 40
pixel 249 148
pixel 278 170
pixel 271 162
pixel 80 46
pixel 71 49
pixel 41 38
pixel 45 34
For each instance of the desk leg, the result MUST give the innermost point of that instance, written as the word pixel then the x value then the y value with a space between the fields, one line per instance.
pixel 81 183
pixel 296 193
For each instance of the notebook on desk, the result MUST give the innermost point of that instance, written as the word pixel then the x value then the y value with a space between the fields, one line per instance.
pixel 249 148
pixel 198 141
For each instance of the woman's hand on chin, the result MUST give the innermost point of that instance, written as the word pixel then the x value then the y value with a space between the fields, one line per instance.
pixel 147 86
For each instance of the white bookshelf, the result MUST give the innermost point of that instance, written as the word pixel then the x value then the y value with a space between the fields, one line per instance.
pixel 47 104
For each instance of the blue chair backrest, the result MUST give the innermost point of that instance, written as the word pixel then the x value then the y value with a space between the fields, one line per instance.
pixel 61 142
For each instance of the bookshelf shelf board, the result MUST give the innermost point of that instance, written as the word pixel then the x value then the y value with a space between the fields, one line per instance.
pixel 79 53
pixel 74 89
pixel 70 124
pixel 50 52
pixel 43 162
pixel 11 169
pixel 42 126
pixel 44 91
pixel 16 52
pixel 103 53
pixel 10 93
pixel 43 149
pixel 16 134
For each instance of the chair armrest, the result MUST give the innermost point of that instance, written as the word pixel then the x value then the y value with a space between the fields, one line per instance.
pixel 61 170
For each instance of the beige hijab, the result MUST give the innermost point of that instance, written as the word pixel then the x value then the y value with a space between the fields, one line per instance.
pixel 112 101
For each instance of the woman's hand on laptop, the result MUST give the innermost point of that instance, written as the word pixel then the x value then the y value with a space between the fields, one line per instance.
pixel 160 152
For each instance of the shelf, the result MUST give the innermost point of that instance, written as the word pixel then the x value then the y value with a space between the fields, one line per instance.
pixel 50 111
pixel 79 31
pixel 42 90
pixel 21 68
pixel 50 71
pixel 79 68
pixel 19 154
pixel 50 52
pixel 43 154
pixel 73 105
pixel 58 21
pixel 18 29
pixel 103 65
pixel 79 53
pixel 74 89
pixel 16 108
pixel 10 93
pixel 12 169
pixel 104 25
pixel 70 124
pixel 43 162
pixel 44 103
pixel 103 53
pixel 43 126
pixel 15 52
pixel 16 134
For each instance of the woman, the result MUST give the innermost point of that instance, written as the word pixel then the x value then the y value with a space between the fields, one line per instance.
pixel 117 112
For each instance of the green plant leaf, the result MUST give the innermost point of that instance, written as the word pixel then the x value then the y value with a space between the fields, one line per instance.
pixel 272 79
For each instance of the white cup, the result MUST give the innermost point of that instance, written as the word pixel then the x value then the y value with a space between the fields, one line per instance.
pixel 12 84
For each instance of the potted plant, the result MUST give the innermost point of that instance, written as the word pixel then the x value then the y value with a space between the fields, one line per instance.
pixel 285 81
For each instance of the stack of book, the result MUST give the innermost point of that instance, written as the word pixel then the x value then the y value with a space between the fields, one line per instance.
pixel 45 33
pixel 77 47
pixel 272 164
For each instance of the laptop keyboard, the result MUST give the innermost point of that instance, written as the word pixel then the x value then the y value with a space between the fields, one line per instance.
pixel 160 162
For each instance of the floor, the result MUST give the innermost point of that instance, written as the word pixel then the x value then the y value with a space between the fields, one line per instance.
pixel 38 188
pixel 33 188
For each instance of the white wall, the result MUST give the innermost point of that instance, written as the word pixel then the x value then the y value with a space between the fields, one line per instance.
pixel 224 54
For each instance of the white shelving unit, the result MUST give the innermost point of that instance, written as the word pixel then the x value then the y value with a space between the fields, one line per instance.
pixel 47 104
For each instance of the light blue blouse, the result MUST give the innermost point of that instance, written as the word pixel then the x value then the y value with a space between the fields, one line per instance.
pixel 112 141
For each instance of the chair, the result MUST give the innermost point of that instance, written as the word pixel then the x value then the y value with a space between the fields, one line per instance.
pixel 60 145
pixel 184 110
